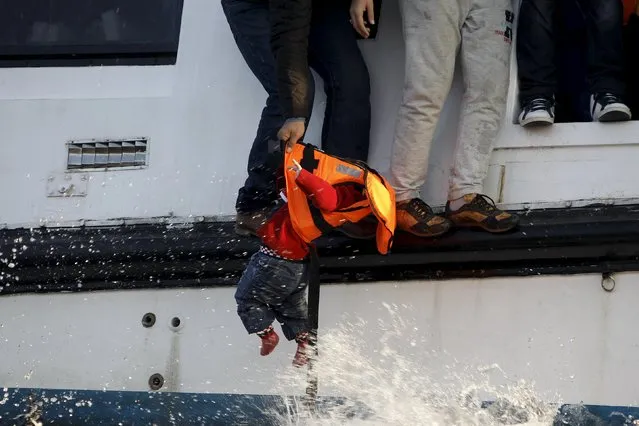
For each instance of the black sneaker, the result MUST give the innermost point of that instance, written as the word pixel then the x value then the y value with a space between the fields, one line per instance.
pixel 538 112
pixel 480 212
pixel 606 107
pixel 416 217
pixel 247 224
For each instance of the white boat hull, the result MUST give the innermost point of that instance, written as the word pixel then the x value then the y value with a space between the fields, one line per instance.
pixel 564 334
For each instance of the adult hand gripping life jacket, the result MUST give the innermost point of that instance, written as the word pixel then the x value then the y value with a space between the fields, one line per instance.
pixel 310 223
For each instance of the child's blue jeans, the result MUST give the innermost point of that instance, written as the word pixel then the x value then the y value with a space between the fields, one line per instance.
pixel 273 288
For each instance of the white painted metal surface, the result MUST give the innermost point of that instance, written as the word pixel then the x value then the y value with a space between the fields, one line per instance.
pixel 565 333
pixel 200 116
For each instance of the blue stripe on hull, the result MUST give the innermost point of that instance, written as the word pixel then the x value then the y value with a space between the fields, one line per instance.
pixel 78 407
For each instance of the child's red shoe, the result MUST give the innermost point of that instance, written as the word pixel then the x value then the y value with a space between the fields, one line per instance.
pixel 301 355
pixel 269 338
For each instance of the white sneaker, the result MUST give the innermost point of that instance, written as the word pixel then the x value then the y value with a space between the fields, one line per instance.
pixel 606 107
pixel 538 112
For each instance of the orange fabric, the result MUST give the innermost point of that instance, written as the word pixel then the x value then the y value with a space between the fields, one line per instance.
pixel 380 197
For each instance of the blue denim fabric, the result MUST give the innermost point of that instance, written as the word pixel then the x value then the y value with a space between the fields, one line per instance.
pixel 272 288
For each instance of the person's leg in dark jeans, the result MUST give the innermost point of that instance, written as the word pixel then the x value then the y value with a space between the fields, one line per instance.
pixel 249 23
pixel 334 54
pixel 536 62
pixel 631 46
pixel 604 19
pixel 572 95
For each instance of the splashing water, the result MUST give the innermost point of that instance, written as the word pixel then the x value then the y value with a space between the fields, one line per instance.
pixel 361 385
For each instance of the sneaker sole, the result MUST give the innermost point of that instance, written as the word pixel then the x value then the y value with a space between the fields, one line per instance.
pixel 615 116
pixel 537 122
pixel 431 235
pixel 479 227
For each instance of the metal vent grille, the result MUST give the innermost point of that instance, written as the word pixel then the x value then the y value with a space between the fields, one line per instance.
pixel 107 154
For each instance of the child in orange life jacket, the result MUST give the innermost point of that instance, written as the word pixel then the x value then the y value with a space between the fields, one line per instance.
pixel 274 282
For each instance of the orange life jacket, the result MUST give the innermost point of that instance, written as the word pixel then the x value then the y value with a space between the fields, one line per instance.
pixel 310 223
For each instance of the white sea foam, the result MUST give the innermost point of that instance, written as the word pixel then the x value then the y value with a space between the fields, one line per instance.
pixel 394 385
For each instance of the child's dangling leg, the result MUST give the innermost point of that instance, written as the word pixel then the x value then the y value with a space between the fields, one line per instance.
pixel 269 339
pixel 293 315
pixel 264 289
pixel 253 302
pixel 303 351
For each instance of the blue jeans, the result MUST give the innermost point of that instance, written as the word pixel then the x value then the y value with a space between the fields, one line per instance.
pixel 537 40
pixel 270 289
pixel 335 56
